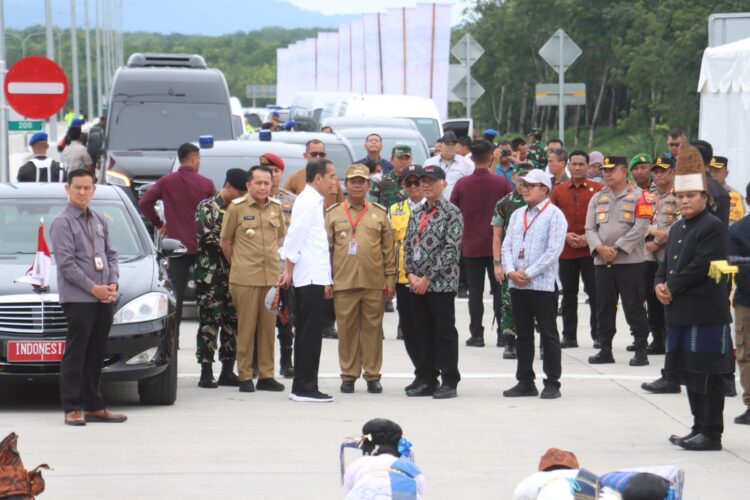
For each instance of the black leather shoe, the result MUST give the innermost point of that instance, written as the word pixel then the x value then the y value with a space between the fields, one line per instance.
pixel 463 293
pixel 413 384
pixel 674 438
pixel 640 358
pixel 374 387
pixel 656 348
pixel 445 392
pixel 389 306
pixel 510 351
pixel 286 370
pixel 550 392
pixel 475 342
pixel 700 442
pixel 421 390
pixel 568 343
pixel 269 384
pixel 631 348
pixel 347 386
pixel 247 386
pixel 604 356
pixel 329 332
pixel 207 380
pixel 521 390
pixel 501 340
pixel 743 419
pixel 661 386
pixel 229 379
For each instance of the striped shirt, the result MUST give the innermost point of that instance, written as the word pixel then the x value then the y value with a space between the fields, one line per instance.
pixel 534 243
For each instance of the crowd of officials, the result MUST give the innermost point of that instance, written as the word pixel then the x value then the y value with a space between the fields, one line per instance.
pixel 533 221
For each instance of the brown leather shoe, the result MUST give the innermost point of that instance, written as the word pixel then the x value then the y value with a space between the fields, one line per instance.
pixel 74 418
pixel 104 415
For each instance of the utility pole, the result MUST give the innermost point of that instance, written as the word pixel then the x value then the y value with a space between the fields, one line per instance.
pixel 561 85
pixel 89 90
pixel 4 164
pixel 50 55
pixel 74 54
pixel 98 58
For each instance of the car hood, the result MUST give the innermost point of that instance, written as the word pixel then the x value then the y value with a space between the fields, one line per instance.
pixel 136 277
pixel 142 163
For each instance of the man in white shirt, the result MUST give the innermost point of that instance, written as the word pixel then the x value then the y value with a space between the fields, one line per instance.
pixel 308 266
pixel 454 165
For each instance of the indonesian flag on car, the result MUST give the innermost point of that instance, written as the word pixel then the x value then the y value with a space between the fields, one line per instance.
pixel 38 273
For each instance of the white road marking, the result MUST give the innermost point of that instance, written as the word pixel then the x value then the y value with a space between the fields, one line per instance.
pixel 36 88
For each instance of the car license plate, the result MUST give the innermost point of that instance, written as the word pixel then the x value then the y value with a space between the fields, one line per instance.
pixel 35 350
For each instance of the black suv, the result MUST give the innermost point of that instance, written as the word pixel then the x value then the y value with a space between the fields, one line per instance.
pixel 32 324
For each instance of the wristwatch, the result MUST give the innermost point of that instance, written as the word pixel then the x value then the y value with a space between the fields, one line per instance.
pixel 497 262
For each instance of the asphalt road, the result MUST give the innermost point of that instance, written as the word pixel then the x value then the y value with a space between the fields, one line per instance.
pixel 223 444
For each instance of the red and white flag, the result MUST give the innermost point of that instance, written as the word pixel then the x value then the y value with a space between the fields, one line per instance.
pixel 38 273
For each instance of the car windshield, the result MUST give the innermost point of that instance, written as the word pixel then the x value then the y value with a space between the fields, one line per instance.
pixel 419 155
pixel 165 126
pixel 19 219
pixel 429 129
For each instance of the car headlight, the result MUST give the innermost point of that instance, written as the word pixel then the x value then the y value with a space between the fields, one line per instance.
pixel 148 307
pixel 116 178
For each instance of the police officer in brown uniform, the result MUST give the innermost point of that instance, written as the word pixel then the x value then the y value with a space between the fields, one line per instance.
pixel 364 272
pixel 617 220
pixel 250 235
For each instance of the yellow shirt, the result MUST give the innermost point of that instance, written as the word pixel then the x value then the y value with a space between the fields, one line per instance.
pixel 255 232
pixel 362 257
pixel 400 213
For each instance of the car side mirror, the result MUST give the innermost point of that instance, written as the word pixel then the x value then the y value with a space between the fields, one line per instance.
pixel 172 248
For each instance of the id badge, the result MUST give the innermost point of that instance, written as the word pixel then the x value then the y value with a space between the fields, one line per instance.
pixel 353 247
pixel 98 262
pixel 417 253
pixel 521 253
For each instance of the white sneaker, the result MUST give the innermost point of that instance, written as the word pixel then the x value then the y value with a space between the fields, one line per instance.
pixel 314 397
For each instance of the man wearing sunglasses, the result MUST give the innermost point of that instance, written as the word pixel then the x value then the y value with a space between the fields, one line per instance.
pixel 314 149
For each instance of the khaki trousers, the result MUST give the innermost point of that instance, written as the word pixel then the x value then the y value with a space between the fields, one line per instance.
pixel 742 332
pixel 359 314
pixel 253 319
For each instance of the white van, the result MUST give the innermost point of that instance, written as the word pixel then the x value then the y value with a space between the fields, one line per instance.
pixel 316 106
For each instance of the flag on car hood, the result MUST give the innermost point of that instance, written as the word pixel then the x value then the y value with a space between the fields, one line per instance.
pixel 38 273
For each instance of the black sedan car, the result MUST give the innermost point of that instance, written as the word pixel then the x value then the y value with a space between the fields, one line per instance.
pixel 32 324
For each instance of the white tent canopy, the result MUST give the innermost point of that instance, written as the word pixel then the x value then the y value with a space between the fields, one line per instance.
pixel 724 85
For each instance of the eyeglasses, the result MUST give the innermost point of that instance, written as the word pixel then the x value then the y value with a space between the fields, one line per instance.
pixel 411 184
pixel 318 154
pixel 527 185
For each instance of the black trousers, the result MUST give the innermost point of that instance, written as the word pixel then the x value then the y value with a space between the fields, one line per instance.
pixel 285 333
pixel 625 281
pixel 528 306
pixel 406 321
pixel 571 272
pixel 476 268
pixel 309 312
pixel 179 274
pixel 462 282
pixel 435 323
pixel 708 408
pixel 655 308
pixel 88 329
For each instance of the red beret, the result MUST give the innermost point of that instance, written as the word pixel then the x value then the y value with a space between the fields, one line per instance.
pixel 270 159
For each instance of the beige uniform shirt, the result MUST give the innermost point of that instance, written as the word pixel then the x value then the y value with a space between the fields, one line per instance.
pixel 362 257
pixel 611 220
pixel 665 213
pixel 255 232
pixel 76 156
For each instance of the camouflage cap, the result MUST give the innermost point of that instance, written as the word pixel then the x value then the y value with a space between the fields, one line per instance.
pixel 522 168
pixel 358 170
pixel 400 150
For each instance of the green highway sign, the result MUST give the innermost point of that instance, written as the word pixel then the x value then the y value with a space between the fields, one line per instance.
pixel 25 125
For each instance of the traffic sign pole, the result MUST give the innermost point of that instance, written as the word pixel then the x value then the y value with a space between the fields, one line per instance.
pixel 561 84
pixel 4 164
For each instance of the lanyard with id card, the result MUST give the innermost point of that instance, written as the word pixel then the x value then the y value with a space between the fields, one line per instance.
pixel 354 224
pixel 527 226
pixel 98 260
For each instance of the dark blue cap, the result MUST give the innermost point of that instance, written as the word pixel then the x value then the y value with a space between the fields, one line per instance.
pixel 490 131
pixel 39 136
pixel 77 122
pixel 290 125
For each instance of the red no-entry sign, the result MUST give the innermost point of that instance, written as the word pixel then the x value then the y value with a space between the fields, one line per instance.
pixel 36 87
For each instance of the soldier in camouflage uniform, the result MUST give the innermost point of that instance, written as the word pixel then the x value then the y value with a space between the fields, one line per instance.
pixel 388 190
pixel 500 219
pixel 537 153
pixel 284 323
pixel 216 313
